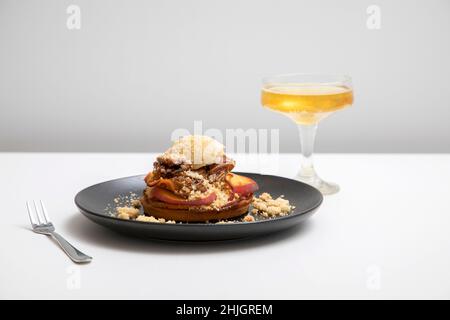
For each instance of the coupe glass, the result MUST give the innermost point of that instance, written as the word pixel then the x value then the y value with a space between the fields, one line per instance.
pixel 307 99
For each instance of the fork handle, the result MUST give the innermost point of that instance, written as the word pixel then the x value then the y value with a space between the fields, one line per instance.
pixel 73 253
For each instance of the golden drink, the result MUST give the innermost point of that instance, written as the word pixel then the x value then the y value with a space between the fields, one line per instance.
pixel 306 103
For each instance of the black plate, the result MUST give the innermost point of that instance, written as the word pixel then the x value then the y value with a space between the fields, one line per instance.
pixel 93 201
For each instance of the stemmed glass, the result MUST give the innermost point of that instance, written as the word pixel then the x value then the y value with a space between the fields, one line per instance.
pixel 307 99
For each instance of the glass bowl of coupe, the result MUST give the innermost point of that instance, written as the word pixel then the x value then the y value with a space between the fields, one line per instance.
pixel 307 99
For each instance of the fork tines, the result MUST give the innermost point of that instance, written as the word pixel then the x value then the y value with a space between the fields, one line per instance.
pixel 37 212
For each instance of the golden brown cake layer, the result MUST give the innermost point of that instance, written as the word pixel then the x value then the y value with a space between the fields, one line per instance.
pixel 160 209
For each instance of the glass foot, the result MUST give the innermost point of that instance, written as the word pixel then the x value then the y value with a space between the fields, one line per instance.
pixel 326 188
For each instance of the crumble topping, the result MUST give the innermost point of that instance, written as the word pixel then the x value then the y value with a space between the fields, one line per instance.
pixel 153 219
pixel 127 212
pixel 125 200
pixel 222 196
pixel 225 221
pixel 194 175
pixel 123 216
pixel 220 188
pixel 249 218
pixel 184 181
pixel 133 213
pixel 135 203
pixel 266 206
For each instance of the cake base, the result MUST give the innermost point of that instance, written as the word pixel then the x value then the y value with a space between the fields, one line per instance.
pixel 159 210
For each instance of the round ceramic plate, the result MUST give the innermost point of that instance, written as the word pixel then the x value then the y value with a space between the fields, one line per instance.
pixel 98 201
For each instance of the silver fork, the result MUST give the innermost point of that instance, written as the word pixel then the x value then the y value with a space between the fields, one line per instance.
pixel 42 224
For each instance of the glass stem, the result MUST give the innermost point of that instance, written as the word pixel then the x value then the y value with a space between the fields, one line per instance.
pixel 307 137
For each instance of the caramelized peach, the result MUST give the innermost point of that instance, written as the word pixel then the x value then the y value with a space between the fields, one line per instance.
pixel 240 184
pixel 150 179
pixel 166 196
pixel 166 184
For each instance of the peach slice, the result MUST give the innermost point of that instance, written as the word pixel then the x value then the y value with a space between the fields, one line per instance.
pixel 150 179
pixel 166 196
pixel 166 184
pixel 163 183
pixel 240 184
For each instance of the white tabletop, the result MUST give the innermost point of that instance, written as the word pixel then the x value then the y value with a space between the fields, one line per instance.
pixel 385 235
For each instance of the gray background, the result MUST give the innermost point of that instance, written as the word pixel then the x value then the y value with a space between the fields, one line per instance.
pixel 139 69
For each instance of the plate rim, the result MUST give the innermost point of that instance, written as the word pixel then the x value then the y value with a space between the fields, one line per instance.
pixel 204 225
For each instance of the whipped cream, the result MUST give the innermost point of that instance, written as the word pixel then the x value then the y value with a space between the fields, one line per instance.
pixel 199 151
